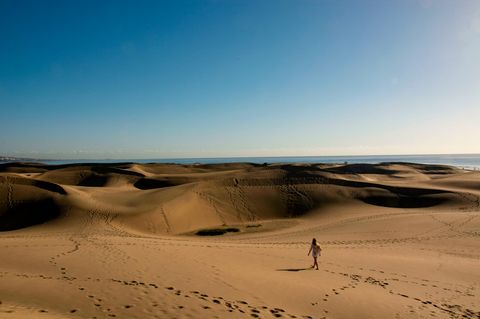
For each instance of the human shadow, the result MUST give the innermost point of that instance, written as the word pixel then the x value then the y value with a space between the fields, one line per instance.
pixel 294 269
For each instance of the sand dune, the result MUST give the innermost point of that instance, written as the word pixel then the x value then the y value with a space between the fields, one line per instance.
pixel 123 240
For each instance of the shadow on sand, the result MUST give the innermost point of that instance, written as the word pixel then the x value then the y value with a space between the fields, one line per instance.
pixel 295 269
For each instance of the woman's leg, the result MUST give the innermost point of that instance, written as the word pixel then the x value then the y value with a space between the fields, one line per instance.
pixel 315 262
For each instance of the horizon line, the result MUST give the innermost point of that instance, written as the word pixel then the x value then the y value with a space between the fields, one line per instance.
pixel 229 157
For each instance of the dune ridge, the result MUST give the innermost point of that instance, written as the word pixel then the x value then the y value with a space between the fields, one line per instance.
pixel 227 193
pixel 135 240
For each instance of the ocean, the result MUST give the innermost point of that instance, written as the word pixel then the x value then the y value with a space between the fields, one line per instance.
pixel 468 161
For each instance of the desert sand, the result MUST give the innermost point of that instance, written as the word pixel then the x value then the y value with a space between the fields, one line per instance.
pixel 398 240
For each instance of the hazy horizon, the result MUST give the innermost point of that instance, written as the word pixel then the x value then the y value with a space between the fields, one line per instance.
pixel 183 79
pixel 245 157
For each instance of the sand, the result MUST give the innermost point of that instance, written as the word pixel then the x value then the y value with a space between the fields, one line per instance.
pixel 398 240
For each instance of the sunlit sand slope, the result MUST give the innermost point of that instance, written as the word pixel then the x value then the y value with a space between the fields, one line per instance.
pixel 399 240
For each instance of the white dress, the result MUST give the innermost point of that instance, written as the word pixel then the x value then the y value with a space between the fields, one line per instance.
pixel 315 250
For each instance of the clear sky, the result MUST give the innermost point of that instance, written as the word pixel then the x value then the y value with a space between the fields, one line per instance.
pixel 152 79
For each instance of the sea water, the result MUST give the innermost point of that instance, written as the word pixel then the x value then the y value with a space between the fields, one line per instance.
pixel 469 161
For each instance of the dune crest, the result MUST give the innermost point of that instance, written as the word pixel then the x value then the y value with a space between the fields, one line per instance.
pixel 230 240
pixel 182 198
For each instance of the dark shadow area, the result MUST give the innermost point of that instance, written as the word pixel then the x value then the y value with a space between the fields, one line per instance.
pixel 49 187
pixel 28 214
pixel 46 167
pixel 115 170
pixel 298 202
pixel 150 183
pixel 403 201
pixel 405 191
pixel 427 168
pixel 216 231
pixel 225 166
pixel 360 169
pixel 94 180
pixel 300 171
pixel 87 165
pixel 20 168
pixel 294 269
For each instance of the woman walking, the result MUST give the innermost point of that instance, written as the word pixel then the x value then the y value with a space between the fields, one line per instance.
pixel 315 250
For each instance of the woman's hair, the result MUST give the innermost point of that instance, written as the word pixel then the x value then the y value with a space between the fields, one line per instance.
pixel 314 241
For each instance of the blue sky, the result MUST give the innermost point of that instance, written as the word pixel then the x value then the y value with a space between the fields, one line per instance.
pixel 151 79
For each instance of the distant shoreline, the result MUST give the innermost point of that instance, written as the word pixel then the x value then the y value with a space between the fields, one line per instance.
pixel 469 161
